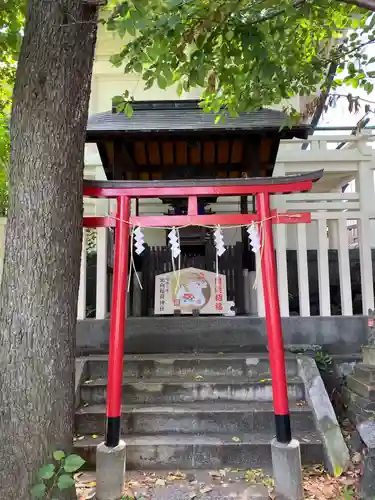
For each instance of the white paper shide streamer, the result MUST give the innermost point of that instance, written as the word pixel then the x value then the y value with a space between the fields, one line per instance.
pixel 254 236
pixel 174 242
pixel 139 240
pixel 219 241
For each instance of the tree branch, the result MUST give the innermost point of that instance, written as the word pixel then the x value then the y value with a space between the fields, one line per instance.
pixel 275 13
pixel 339 55
pixel 363 4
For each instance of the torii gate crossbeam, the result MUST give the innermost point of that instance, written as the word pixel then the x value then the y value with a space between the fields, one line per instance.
pixel 263 188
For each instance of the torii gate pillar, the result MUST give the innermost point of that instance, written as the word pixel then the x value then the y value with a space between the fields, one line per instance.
pixel 263 188
pixel 273 323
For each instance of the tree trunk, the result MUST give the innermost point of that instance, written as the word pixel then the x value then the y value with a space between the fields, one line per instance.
pixel 40 282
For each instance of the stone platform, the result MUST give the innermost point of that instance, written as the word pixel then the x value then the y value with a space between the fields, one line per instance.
pixel 335 334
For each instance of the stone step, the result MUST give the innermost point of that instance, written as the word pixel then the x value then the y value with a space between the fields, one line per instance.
pixel 182 451
pixel 164 390
pixel 190 365
pixel 361 387
pixel 193 418
pixel 365 373
pixel 359 408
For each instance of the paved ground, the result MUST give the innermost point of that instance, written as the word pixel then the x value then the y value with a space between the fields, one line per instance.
pixel 192 485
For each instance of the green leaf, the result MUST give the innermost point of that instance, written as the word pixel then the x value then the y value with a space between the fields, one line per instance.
pixel 118 99
pixel 162 82
pixel 47 471
pixel 73 463
pixel 65 482
pixel 369 87
pixel 58 455
pixel 174 3
pixel 180 89
pixel 38 491
pixel 128 110
pixel 131 29
pixel 137 67
pixel 116 60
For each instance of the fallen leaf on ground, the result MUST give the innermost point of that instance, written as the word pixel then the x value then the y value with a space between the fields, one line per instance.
pixel 160 482
pixel 318 485
pixel 357 458
pixel 205 489
pixel 236 439
pixel 176 476
pixel 217 474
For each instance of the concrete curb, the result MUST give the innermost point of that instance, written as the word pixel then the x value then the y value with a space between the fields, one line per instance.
pixel 336 451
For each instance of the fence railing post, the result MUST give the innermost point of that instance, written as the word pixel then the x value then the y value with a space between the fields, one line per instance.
pixel 280 203
pixel 344 269
pixel 365 259
pixel 81 314
pixel 366 188
pixel 323 269
pixel 303 274
pixel 101 272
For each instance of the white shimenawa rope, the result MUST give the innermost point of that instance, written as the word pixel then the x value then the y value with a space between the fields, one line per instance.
pixel 132 263
pixel 178 271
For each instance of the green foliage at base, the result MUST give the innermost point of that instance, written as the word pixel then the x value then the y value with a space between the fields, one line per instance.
pixel 56 477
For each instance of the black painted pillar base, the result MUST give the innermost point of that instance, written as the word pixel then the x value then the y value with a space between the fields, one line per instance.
pixel 283 429
pixel 112 435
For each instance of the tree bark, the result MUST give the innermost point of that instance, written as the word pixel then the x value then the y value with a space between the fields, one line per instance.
pixel 364 4
pixel 38 301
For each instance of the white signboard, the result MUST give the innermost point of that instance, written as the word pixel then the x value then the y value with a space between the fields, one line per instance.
pixel 190 289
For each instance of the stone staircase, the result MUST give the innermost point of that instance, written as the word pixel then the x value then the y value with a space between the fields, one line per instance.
pixel 194 411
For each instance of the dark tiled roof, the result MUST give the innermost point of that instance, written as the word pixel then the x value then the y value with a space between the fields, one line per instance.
pixel 314 176
pixel 174 116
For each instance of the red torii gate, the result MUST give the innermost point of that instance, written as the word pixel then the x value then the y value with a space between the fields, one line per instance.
pixel 263 188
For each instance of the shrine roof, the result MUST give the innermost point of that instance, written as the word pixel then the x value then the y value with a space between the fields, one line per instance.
pixel 187 116
pixel 288 180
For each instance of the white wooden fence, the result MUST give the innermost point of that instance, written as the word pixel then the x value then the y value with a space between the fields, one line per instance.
pixel 332 223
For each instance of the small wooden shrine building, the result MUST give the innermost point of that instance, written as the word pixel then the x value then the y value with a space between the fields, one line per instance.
pixel 171 140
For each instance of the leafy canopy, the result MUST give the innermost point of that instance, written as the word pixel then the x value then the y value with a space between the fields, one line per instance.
pixel 244 54
pixel 11 25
